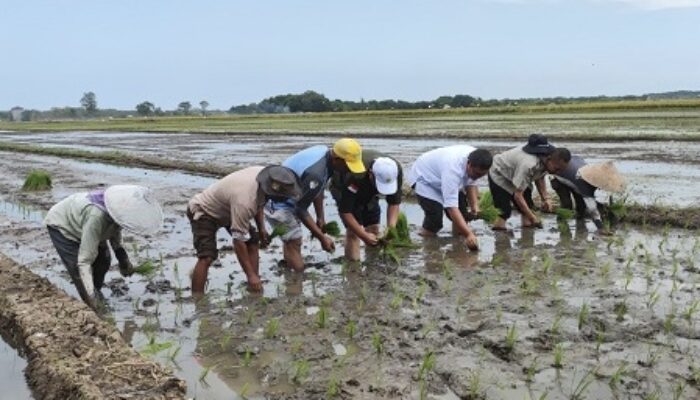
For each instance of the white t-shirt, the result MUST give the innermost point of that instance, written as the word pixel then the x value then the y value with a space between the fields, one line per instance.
pixel 441 173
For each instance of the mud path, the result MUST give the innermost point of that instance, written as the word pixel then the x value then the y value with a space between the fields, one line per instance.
pixel 621 312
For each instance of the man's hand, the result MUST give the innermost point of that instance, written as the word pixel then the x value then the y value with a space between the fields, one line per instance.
pixel 547 205
pixel 327 244
pixel 371 239
pixel 254 283
pixel 535 223
pixel 472 242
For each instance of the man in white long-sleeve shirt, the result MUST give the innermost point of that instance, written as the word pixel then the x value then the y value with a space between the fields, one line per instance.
pixel 81 225
pixel 440 178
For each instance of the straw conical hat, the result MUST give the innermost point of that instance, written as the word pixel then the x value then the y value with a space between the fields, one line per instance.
pixel 134 208
pixel 604 176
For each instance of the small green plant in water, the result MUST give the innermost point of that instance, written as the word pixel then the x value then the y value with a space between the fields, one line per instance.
pixel 37 180
pixel 616 377
pixel 620 311
pixel 564 214
pixel 301 371
pixel 511 338
pixel 322 317
pixel 278 231
pixel 146 268
pixel 351 328
pixel 395 238
pixel 488 211
pixel 377 343
pixel 333 387
pixel 558 356
pixel 583 315
pixel 427 365
pixel 271 328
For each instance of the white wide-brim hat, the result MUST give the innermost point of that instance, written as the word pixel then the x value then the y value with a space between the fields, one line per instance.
pixel 134 208
pixel 386 173
pixel 604 176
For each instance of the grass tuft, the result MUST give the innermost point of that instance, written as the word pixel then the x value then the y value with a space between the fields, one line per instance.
pixel 37 180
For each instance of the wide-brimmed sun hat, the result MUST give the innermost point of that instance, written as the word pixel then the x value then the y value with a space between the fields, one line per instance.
pixel 351 152
pixel 538 144
pixel 134 208
pixel 386 175
pixel 279 181
pixel 604 176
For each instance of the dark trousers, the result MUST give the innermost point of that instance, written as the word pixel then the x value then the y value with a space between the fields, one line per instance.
pixel 68 251
pixel 433 211
pixel 565 194
pixel 505 201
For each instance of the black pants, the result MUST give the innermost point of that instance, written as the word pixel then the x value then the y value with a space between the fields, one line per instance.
pixel 565 194
pixel 68 251
pixel 433 211
pixel 505 201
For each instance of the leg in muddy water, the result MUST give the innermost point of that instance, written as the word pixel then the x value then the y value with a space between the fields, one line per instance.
pixel 462 204
pixel 292 254
pixel 352 246
pixel 199 275
pixel 564 194
pixel 68 252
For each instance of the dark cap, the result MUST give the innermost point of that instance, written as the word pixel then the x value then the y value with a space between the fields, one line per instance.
pixel 538 144
pixel 279 181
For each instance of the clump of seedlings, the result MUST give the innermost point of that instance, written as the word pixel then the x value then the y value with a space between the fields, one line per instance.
pixel 583 315
pixel 322 317
pixel 147 268
pixel 511 338
pixel 351 328
pixel 558 356
pixel 301 371
pixel 332 228
pixel 616 377
pixel 377 343
pixel 620 311
pixel 37 180
pixel 271 328
pixel 488 211
pixel 395 238
pixel 278 231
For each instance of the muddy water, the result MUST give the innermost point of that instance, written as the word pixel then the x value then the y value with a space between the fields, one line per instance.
pixel 658 172
pixel 441 298
pixel 12 373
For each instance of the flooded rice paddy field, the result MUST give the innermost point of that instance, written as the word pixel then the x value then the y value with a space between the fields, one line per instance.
pixel 557 311
pixel 662 172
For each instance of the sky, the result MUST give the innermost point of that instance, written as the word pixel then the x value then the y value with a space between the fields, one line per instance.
pixel 234 52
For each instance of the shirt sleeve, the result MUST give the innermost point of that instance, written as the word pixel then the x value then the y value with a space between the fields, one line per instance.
pixel 92 229
pixel 451 182
pixel 116 240
pixel 241 214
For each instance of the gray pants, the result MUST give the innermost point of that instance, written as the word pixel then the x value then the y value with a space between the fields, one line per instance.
pixel 68 251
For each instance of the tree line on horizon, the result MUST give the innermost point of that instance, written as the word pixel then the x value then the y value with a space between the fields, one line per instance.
pixel 311 101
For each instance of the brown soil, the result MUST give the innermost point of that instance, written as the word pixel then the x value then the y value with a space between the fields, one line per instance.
pixel 71 352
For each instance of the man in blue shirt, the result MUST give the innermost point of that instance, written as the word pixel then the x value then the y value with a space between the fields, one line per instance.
pixel 313 166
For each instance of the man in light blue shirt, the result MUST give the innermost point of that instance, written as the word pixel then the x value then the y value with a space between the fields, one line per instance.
pixel 440 178
pixel 314 167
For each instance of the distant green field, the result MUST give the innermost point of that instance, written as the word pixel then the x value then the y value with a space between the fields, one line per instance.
pixel 660 119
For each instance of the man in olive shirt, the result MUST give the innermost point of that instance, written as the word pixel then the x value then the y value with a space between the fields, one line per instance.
pixel 231 203
pixel 357 198
pixel 513 172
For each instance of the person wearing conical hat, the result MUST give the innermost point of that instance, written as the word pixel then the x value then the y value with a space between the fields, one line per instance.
pixel 313 166
pixel 514 171
pixel 81 225
pixel 231 203
pixel 357 198
pixel 580 181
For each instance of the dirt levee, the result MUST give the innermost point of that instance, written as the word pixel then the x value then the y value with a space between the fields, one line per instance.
pixel 71 352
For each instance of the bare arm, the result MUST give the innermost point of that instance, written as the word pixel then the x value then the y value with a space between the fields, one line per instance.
pixel 463 227
pixel 392 215
pixel 522 205
pixel 542 190
pixel 260 223
pixel 473 199
pixel 352 225
pixel 244 258
pixel 320 212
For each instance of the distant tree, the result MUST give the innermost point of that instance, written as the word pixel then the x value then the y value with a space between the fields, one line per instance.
pixel 184 107
pixel 204 104
pixel 89 102
pixel 146 108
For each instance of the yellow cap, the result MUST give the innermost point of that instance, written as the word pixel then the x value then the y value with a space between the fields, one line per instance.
pixel 350 151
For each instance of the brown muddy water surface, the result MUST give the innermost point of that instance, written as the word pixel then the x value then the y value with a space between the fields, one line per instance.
pixel 663 172
pixel 620 311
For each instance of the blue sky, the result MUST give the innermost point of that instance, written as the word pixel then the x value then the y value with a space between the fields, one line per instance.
pixel 233 52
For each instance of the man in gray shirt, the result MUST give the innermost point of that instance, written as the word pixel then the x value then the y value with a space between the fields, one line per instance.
pixel 512 174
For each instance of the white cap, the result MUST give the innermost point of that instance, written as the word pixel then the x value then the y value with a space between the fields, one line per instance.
pixel 386 174
pixel 134 208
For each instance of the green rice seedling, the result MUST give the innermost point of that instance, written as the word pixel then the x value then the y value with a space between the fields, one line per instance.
pixel 203 375
pixel 333 386
pixel 429 327
pixel 558 356
pixel 488 211
pixel 668 323
pixel 547 262
pixel 278 231
pixel 690 311
pixel 605 270
pixel 678 390
pixel 420 292
pixel 653 395
pixel 599 339
pixel 423 390
pixel 332 228
pixel 271 328
pixel 618 208
pixel 154 347
pixel 249 315
pixel 556 325
pixel 531 371
pixel 377 343
pixel 395 238
pixel 499 313
pixel 37 180
pixel 296 346
pixel 474 383
pixel 247 357
pixel 628 279
pixel 351 329
pixel 447 270
pixel 225 340
pixel 172 356
pixel 244 391
pixel 564 214
pixel 146 268
pixel 511 338
pixel 301 371
pixel 616 377
pixel 653 298
pixel 620 310
pixel 579 391
pixel 427 364
pixel 396 301
pixel 583 315
pixel 322 317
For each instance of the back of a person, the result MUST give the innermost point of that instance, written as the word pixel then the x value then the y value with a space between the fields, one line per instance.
pixel 307 162
pixel 430 166
pixel 507 163
pixel 239 187
pixel 68 214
